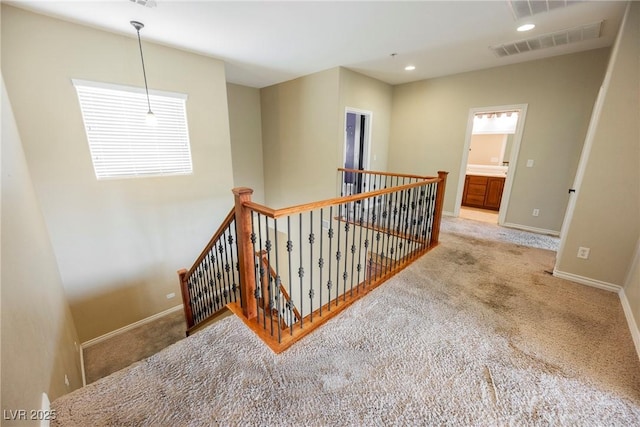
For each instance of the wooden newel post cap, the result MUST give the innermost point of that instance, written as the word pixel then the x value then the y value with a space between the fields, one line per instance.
pixel 241 191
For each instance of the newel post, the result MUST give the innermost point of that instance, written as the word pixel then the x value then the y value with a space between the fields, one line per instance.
pixel 245 252
pixel 184 289
pixel 435 231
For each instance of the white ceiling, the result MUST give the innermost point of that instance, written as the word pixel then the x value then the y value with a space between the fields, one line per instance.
pixel 268 42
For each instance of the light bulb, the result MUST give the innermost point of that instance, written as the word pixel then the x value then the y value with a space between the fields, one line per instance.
pixel 151 119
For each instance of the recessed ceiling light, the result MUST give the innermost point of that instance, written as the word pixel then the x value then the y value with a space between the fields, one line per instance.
pixel 410 68
pixel 526 27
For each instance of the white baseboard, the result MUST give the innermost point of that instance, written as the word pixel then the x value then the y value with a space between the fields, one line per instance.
pixel 631 321
pixel 446 213
pixel 587 281
pixel 129 327
pixel 532 229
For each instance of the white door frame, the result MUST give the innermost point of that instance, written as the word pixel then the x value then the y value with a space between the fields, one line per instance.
pixel 513 157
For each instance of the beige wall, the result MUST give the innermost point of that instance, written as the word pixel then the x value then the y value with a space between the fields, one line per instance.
pixel 365 93
pixel 300 121
pixel 303 122
pixel 429 119
pixel 486 149
pixel 245 125
pixel 118 243
pixel 38 335
pixel 607 209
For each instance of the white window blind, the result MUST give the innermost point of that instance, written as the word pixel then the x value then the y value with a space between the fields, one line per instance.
pixel 122 144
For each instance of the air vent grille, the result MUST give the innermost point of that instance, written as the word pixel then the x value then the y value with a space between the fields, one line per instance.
pixel 544 41
pixel 525 8
pixel 145 3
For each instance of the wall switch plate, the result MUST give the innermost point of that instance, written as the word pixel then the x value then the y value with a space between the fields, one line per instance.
pixel 536 212
pixel 171 295
pixel 530 163
pixel 583 252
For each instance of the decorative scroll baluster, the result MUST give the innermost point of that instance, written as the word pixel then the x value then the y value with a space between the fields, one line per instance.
pixel 289 303
pixel 321 259
pixel 345 274
pixel 278 281
pixel 330 234
pixel 269 304
pixel 311 242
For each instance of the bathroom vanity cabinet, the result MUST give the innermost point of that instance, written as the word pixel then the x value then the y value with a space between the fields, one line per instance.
pixel 483 192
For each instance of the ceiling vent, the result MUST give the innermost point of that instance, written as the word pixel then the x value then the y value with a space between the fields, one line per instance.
pixel 525 8
pixel 544 41
pixel 145 3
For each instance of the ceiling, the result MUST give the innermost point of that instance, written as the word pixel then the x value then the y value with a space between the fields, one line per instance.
pixel 268 42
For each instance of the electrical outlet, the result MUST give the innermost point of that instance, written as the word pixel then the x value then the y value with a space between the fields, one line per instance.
pixel 583 252
pixel 66 380
pixel 536 212
pixel 530 163
pixel 171 295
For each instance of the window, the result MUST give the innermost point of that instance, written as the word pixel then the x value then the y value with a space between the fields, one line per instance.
pixel 121 143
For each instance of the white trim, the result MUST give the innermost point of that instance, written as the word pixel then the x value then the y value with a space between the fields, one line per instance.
pixel 532 229
pixel 129 327
pixel 631 321
pixel 447 213
pixel 587 281
pixel 135 89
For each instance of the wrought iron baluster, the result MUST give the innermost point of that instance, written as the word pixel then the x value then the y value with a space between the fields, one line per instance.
pixel 338 256
pixel 227 266
pixel 359 266
pixel 289 303
pixel 330 234
pixel 321 259
pixel 270 279
pixel 257 264
pixel 311 242
pixel 300 269
pixel 210 308
pixel 278 280
pixel 345 274
pixel 235 262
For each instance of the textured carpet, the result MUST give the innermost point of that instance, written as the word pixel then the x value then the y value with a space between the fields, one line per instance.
pixel 473 333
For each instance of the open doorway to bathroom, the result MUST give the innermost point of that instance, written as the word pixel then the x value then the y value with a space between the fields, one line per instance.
pixel 489 162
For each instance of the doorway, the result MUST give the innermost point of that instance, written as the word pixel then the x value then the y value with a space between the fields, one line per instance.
pixel 489 162
pixel 357 144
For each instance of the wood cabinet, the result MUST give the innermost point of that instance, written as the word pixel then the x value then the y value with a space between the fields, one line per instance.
pixel 483 191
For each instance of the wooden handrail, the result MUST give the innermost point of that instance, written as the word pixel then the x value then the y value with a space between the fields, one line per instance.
pixel 277 213
pixel 386 173
pixel 200 277
pixel 225 223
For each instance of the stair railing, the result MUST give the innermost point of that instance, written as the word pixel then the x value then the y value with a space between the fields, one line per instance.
pixel 285 272
pixel 213 280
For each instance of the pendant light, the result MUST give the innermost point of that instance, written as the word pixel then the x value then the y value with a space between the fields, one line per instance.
pixel 151 118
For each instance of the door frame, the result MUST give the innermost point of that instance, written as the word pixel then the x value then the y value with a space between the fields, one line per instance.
pixel 513 156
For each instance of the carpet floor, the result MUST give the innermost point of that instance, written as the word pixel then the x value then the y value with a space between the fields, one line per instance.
pixel 473 333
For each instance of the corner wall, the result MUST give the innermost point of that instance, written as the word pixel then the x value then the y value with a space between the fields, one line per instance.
pixel 606 218
pixel 429 119
pixel 39 340
pixel 118 243
pixel 245 124
pixel 300 122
